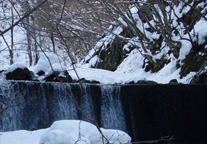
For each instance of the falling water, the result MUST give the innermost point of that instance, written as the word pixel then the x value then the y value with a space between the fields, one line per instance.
pixel 48 102
pixel 112 115
pixel 145 112
pixel 11 118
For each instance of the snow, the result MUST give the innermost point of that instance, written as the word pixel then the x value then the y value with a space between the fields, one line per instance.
pixel 185 49
pixel 15 66
pixel 21 137
pixel 201 31
pixel 130 70
pixel 48 62
pixel 65 132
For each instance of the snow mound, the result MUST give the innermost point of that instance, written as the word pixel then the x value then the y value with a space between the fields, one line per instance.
pixel 15 66
pixel 45 62
pixel 81 132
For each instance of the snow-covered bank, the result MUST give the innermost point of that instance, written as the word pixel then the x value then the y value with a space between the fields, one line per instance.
pixel 65 132
pixel 130 70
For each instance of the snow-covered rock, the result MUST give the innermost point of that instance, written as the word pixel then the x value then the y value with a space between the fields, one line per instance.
pixel 19 72
pixel 81 132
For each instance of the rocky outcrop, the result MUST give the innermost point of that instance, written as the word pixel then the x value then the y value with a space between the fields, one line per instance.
pixel 195 62
pixel 200 78
pixel 114 54
pixel 20 74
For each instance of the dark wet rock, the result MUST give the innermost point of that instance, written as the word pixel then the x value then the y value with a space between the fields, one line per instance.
pixel 20 74
pixel 40 73
pixel 52 76
pixel 83 80
pixel 195 61
pixel 57 76
pixel 143 82
pixel 173 81
pixel 200 78
pixel 68 77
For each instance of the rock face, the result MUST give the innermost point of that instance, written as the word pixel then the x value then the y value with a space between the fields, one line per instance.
pixel 200 78
pixel 20 74
pixel 163 49
pixel 114 54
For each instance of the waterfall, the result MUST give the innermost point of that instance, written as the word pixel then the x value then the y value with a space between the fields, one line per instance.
pixel 48 102
pixel 112 115
pixel 11 118
pixel 145 112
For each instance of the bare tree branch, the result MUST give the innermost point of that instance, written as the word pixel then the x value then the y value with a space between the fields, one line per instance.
pixel 22 18
pixel 15 101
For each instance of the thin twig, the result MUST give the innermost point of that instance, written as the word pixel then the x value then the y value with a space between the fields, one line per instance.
pixel 162 139
pixel 22 18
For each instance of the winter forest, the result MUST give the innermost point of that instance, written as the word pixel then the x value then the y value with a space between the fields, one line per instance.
pixel 102 42
pixel 148 34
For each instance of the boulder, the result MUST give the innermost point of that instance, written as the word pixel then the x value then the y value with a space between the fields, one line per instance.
pixel 83 80
pixel 52 76
pixel 57 76
pixel 143 82
pixel 19 74
pixel 173 81
pixel 40 73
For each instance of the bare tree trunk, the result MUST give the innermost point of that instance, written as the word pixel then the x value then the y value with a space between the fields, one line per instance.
pixel 53 41
pixel 35 44
pixel 29 41
pixel 12 39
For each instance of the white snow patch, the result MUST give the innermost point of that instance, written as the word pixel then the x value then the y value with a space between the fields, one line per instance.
pixel 65 132
pixel 93 61
pixel 21 137
pixel 185 49
pixel 45 63
pixel 15 66
pixel 201 30
pixel 81 132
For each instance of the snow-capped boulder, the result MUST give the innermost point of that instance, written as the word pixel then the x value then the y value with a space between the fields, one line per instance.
pixel 81 132
pixel 19 72
pixel 58 76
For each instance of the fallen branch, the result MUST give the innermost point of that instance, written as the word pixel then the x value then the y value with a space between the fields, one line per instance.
pixel 162 139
